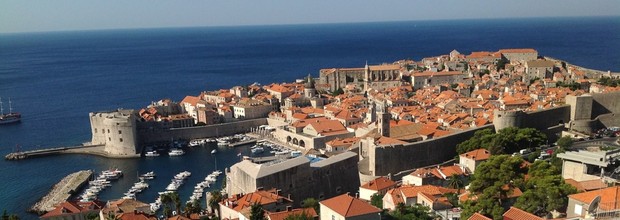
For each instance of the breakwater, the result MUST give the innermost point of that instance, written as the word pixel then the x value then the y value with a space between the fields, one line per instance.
pixel 62 191
pixel 43 152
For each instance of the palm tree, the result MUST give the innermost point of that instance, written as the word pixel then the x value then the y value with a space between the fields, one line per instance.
pixel 455 181
pixel 216 198
pixel 177 201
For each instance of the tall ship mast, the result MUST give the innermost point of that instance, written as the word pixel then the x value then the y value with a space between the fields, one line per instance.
pixel 11 117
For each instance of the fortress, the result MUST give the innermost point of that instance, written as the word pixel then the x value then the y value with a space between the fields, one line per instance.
pixel 585 113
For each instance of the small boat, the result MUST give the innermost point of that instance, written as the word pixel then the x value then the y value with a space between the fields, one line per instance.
pixel 11 117
pixel 151 154
pixel 149 174
pixel 213 151
pixel 176 152
pixel 257 150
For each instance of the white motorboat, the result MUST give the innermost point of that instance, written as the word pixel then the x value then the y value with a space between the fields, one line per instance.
pixel 213 151
pixel 176 152
pixel 257 150
pixel 152 154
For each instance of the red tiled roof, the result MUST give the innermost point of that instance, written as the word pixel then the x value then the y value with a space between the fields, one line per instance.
pixel 348 206
pixel 379 184
pixel 478 216
pixel 610 197
pixel 479 154
pixel 517 214
pixel 284 214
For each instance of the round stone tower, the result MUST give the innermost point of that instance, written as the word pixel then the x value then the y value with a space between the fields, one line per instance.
pixel 504 119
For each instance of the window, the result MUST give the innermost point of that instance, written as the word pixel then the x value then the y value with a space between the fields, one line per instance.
pixel 108 131
pixel 95 130
pixel 120 139
pixel 120 132
pixel 333 217
pixel 109 139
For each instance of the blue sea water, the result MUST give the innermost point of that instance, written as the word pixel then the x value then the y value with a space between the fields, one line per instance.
pixel 54 79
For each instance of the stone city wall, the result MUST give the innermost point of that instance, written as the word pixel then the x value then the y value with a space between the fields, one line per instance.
pixel 154 136
pixel 391 160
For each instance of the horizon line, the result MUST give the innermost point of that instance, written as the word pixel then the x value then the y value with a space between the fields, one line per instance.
pixel 294 24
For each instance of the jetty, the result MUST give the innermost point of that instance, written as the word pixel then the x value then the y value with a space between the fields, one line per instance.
pixel 19 155
pixel 239 143
pixel 62 191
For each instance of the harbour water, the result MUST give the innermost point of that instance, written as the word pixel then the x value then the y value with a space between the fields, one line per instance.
pixel 54 79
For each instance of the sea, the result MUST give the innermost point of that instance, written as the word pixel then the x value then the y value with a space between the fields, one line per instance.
pixel 56 78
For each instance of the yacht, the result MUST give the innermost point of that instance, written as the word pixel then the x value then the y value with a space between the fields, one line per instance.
pixel 257 150
pixel 151 154
pixel 213 151
pixel 176 152
pixel 149 174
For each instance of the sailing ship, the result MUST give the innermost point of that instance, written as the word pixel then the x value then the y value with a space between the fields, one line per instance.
pixel 11 117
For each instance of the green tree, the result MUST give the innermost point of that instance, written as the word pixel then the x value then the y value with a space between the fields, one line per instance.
pixel 193 207
pixel 257 212
pixel 5 216
pixel 416 212
pixel 177 202
pixel 215 199
pixel 92 216
pixel 377 200
pixel 565 142
pixel 481 139
pixel 299 216
pixel 311 203
pixel 545 190
pixel 493 181
pixel 455 181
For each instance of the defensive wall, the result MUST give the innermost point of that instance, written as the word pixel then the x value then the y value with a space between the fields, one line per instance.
pixel 384 160
pixel 148 136
pixel 605 112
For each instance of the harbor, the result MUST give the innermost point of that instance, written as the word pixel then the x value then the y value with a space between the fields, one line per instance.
pixel 62 191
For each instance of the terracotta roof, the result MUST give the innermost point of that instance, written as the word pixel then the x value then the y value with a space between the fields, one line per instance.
pixel 262 197
pixel 479 154
pixel 348 206
pixel 588 185
pixel 134 216
pixel 388 141
pixel 328 127
pixel 517 214
pixel 385 67
pixel 73 207
pixel 478 216
pixel 412 191
pixel 379 184
pixel 192 100
pixel 284 214
pixel 610 197
pixel 179 217
pixel 429 73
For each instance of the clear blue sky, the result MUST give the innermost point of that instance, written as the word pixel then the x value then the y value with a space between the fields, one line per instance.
pixel 55 15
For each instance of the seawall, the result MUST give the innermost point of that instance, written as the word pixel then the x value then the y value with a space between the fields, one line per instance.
pixel 61 191
pixel 208 131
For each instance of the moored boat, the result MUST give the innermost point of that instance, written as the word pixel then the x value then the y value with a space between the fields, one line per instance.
pixel 11 117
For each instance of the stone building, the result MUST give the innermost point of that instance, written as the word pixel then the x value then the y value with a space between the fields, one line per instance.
pixel 519 55
pixel 250 109
pixel 381 77
pixel 423 79
pixel 541 69
pixel 116 130
pixel 336 78
pixel 301 177
pixel 312 133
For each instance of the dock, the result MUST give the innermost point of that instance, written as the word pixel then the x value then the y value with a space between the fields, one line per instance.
pixel 236 144
pixel 62 191
pixel 41 152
